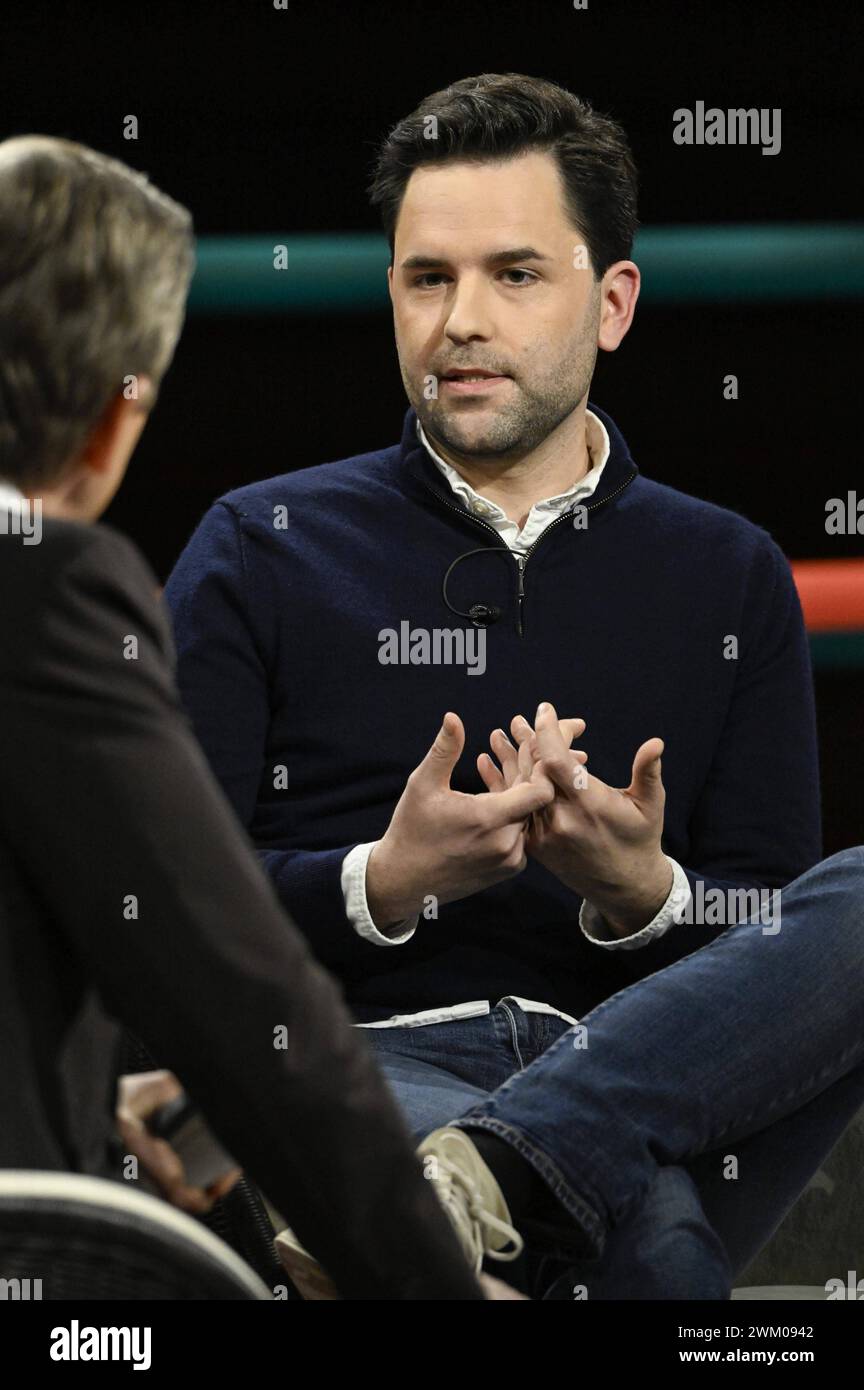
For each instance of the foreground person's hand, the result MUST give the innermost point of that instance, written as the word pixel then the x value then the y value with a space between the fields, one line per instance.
pixel 138 1098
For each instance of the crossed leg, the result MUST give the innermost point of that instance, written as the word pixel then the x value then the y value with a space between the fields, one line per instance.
pixel 707 1096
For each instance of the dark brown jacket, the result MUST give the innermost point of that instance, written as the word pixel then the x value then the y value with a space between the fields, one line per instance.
pixel 130 895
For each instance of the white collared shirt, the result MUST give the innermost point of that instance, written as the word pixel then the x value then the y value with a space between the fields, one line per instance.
pixel 10 497
pixel 541 513
pixel 591 922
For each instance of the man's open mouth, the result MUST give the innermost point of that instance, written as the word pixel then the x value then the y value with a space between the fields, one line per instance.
pixel 468 380
pixel 471 374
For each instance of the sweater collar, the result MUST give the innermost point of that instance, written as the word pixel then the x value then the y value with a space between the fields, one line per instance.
pixel 419 468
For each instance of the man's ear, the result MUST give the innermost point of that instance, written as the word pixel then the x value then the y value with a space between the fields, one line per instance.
pixel 116 432
pixel 390 281
pixel 619 291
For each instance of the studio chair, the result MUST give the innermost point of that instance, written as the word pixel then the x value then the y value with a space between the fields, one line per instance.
pixel 66 1236
pixel 241 1219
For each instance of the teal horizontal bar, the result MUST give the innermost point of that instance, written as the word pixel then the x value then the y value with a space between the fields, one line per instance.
pixel 680 265
pixel 837 651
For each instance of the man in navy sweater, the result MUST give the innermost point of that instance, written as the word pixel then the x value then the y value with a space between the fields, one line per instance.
pixel 506 554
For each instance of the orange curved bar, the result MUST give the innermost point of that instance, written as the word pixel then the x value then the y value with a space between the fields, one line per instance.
pixel 831 593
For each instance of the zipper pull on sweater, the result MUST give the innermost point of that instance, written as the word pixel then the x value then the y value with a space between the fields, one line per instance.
pixel 520 596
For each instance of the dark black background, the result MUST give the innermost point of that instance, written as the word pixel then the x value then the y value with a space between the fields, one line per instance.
pixel 266 121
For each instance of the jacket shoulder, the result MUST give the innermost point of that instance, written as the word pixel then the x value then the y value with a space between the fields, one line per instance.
pixel 64 543
pixel 74 569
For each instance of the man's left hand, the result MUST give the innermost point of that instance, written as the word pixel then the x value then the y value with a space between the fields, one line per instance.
pixel 602 842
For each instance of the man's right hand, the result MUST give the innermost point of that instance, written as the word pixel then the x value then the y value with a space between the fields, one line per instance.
pixel 448 844
pixel 139 1096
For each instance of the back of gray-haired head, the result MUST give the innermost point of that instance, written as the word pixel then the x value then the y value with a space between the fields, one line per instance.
pixel 95 265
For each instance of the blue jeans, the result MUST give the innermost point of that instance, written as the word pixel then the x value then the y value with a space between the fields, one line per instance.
pixel 704 1099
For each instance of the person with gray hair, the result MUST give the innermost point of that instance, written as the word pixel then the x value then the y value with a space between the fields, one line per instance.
pixel 95 266
pixel 129 891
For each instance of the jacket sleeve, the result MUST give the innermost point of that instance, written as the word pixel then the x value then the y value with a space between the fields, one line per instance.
pixel 757 822
pixel 224 684
pixel 140 864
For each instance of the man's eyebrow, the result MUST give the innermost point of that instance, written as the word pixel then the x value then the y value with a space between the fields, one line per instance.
pixel 515 253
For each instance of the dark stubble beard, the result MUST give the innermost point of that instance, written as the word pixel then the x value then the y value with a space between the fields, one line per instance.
pixel 520 424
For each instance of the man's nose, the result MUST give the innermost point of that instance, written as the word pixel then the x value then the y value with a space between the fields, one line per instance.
pixel 470 315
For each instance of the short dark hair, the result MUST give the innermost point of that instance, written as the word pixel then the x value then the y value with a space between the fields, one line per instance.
pixel 95 265
pixel 497 116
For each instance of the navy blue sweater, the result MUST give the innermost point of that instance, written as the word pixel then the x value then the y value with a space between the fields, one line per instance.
pixel 278 603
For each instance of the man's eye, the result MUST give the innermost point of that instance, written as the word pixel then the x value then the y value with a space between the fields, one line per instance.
pixel 431 279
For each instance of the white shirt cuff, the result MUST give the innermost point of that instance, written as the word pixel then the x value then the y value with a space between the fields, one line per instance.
pixel 594 925
pixel 353 881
